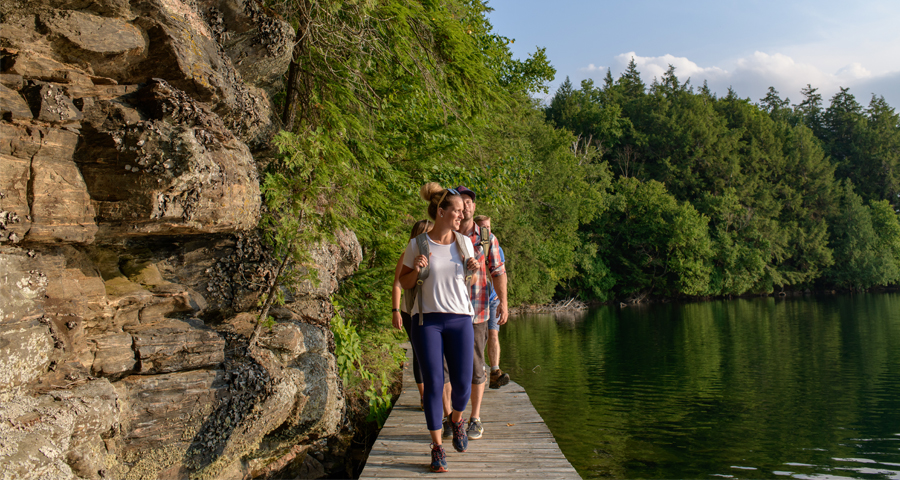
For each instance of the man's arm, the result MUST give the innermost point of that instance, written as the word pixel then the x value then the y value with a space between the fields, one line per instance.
pixel 500 288
pixel 497 271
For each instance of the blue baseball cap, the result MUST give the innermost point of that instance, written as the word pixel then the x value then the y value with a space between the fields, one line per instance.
pixel 465 191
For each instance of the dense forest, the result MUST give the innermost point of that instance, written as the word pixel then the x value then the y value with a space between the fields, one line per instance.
pixel 624 191
pixel 723 196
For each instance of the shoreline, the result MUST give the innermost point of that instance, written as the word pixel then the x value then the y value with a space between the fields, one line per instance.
pixel 575 305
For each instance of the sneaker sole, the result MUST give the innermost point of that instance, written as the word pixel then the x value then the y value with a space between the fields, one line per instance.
pixel 440 470
pixel 499 383
pixel 476 436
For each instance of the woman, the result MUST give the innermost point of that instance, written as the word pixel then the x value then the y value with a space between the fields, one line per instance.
pixel 402 319
pixel 446 327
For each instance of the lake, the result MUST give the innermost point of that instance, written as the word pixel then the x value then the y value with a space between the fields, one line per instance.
pixel 796 387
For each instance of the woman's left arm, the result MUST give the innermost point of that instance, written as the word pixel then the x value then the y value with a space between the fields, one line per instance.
pixel 396 292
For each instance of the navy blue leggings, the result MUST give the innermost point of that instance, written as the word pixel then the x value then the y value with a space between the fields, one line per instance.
pixel 444 335
pixel 417 374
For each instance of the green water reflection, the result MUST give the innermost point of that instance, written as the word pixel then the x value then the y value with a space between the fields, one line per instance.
pixel 763 388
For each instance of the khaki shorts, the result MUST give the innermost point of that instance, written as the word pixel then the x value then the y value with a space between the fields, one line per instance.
pixel 481 335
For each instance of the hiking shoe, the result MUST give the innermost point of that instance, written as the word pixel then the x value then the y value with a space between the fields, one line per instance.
pixel 499 378
pixel 446 431
pixel 460 439
pixel 438 459
pixel 475 430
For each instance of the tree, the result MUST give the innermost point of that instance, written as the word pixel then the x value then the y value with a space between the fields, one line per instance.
pixel 743 244
pixel 878 173
pixel 539 228
pixel 586 112
pixel 864 145
pixel 809 111
pixel 785 182
pixel 564 107
pixel 651 243
pixel 381 97
pixel 886 223
pixel 689 146
pixel 843 124
pixel 865 248
pixel 805 189
pixel 778 108
pixel 630 82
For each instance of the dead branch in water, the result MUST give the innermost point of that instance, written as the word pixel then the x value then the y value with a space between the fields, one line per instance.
pixel 572 304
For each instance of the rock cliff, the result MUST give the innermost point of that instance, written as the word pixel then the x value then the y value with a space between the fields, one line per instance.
pixel 130 270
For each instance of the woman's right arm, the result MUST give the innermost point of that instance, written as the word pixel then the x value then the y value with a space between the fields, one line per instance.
pixel 408 277
pixel 409 274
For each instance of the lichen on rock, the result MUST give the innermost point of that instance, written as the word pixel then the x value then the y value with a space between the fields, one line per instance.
pixel 131 265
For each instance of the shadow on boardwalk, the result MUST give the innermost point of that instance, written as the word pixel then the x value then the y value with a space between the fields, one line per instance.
pixel 516 442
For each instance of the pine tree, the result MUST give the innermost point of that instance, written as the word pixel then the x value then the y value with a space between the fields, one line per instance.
pixel 775 106
pixel 809 111
pixel 882 149
pixel 630 82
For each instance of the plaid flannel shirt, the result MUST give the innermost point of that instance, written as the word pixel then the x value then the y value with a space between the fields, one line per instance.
pixel 480 290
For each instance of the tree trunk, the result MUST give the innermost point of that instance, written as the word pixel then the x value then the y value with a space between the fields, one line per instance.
pixel 290 100
pixel 289 115
pixel 270 297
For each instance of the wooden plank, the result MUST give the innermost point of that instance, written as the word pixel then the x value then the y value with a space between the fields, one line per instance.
pixel 422 471
pixel 486 464
pixel 516 442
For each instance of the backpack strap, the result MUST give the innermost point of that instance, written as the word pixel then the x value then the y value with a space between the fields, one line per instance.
pixel 464 253
pixel 485 242
pixel 422 243
pixel 411 293
pixel 462 245
pixel 486 248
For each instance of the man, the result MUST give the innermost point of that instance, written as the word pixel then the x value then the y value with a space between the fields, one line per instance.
pixel 498 377
pixel 493 266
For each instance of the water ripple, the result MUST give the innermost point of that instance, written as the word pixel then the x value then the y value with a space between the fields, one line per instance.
pixel 724 388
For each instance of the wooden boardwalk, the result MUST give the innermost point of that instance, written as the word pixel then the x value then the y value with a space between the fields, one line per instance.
pixel 516 442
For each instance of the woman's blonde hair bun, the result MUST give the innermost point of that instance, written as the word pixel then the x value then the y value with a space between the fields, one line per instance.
pixel 429 190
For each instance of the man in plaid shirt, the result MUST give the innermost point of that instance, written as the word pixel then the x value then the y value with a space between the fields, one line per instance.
pixel 493 265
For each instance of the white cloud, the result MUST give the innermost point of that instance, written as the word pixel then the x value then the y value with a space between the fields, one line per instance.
pixel 751 76
pixel 592 68
pixel 655 67
pixel 853 71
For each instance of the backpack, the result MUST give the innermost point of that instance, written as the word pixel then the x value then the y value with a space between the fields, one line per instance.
pixel 416 292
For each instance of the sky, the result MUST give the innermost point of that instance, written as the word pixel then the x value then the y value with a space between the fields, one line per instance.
pixel 748 45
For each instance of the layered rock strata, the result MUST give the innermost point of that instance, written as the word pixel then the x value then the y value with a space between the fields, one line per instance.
pixel 129 265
